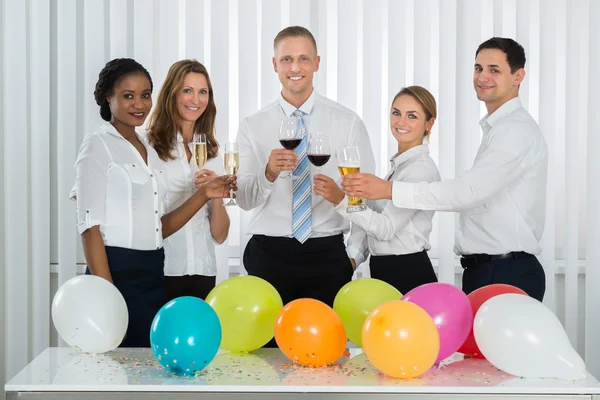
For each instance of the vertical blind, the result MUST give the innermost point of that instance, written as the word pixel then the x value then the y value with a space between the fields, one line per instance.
pixel 52 51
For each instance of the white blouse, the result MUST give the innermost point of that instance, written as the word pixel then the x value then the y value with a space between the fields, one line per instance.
pixel 391 230
pixel 117 191
pixel 190 250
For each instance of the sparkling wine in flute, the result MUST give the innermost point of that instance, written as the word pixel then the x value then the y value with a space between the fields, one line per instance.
pixel 199 154
pixel 351 169
pixel 232 163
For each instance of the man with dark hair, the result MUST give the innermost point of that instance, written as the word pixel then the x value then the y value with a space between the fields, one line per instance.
pixel 297 239
pixel 502 198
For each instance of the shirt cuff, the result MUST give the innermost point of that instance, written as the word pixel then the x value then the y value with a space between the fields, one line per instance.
pixel 87 224
pixel 341 207
pixel 403 194
pixel 264 184
pixel 355 253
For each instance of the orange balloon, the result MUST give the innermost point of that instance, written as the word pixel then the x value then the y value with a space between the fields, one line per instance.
pixel 400 339
pixel 309 332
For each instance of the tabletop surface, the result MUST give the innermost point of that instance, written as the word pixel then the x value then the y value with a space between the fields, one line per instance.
pixel 268 370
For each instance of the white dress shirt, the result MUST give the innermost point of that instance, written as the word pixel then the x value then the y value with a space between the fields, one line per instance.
pixel 502 198
pixel 117 191
pixel 190 250
pixel 272 201
pixel 391 230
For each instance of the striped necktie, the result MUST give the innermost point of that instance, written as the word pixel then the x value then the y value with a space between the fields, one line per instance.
pixel 302 197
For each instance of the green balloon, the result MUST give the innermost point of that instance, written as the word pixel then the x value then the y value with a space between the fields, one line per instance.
pixel 247 307
pixel 356 299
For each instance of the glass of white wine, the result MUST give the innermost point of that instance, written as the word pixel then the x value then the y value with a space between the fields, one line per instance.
pixel 199 154
pixel 231 164
pixel 348 159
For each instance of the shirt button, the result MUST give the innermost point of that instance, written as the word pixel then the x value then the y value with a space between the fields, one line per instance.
pixel 156 229
pixel 155 193
pixel 133 165
pixel 155 211
pixel 151 176
pixel 87 211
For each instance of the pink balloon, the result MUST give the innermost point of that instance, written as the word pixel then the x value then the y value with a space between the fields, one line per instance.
pixel 450 310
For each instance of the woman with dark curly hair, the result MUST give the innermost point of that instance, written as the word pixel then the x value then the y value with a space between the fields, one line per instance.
pixel 119 190
pixel 185 106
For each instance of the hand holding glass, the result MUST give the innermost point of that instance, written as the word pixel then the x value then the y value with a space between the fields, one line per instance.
pixel 349 163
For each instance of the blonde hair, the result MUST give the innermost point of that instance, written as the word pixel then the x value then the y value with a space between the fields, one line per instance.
pixel 164 122
pixel 294 31
pixel 424 98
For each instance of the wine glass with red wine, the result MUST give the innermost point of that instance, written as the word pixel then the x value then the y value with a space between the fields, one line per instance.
pixel 290 137
pixel 319 150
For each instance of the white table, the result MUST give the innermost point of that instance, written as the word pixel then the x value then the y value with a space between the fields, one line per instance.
pixel 66 374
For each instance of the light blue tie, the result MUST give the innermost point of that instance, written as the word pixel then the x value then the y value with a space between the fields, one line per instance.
pixel 302 198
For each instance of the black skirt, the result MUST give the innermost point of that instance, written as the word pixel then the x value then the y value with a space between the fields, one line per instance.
pixel 404 272
pixel 139 276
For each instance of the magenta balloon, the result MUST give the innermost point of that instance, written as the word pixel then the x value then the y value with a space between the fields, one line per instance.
pixel 450 310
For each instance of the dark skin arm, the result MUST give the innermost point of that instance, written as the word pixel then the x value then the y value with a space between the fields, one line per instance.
pixel 95 253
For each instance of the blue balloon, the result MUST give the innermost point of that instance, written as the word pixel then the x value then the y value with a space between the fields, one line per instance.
pixel 185 335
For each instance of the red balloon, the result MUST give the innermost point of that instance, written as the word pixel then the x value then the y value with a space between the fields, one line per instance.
pixel 477 298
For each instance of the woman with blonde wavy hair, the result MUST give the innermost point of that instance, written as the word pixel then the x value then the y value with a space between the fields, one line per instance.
pixel 186 106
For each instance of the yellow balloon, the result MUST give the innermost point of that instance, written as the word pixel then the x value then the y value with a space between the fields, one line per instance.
pixel 357 299
pixel 247 307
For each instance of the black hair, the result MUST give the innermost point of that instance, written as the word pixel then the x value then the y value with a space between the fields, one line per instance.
pixel 108 77
pixel 515 53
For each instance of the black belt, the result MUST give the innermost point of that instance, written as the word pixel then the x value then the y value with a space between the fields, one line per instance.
pixel 473 260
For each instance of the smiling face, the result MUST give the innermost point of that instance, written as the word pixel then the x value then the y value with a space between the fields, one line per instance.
pixel 130 100
pixel 193 96
pixel 408 122
pixel 295 62
pixel 492 79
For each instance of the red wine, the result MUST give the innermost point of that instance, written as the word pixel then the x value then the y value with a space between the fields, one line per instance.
pixel 318 160
pixel 290 144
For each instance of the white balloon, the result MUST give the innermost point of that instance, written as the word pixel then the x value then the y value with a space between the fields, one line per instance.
pixel 90 314
pixel 521 336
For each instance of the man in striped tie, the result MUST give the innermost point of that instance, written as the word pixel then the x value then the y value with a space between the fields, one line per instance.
pixel 297 239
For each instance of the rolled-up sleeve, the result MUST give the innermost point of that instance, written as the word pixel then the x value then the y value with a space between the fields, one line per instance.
pixel 91 169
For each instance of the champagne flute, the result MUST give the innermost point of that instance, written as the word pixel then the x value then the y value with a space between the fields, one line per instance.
pixel 199 153
pixel 231 164
pixel 319 150
pixel 290 137
pixel 349 163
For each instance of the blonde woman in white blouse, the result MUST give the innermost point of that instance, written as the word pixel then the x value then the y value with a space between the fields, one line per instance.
pixel 398 239
pixel 185 106
pixel 119 190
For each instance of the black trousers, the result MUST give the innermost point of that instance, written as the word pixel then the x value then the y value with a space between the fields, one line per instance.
pixel 139 276
pixel 405 271
pixel 316 269
pixel 188 285
pixel 524 271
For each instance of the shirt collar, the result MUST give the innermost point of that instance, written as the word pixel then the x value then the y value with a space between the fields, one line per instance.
pixel 408 154
pixel 306 107
pixel 109 128
pixel 502 112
